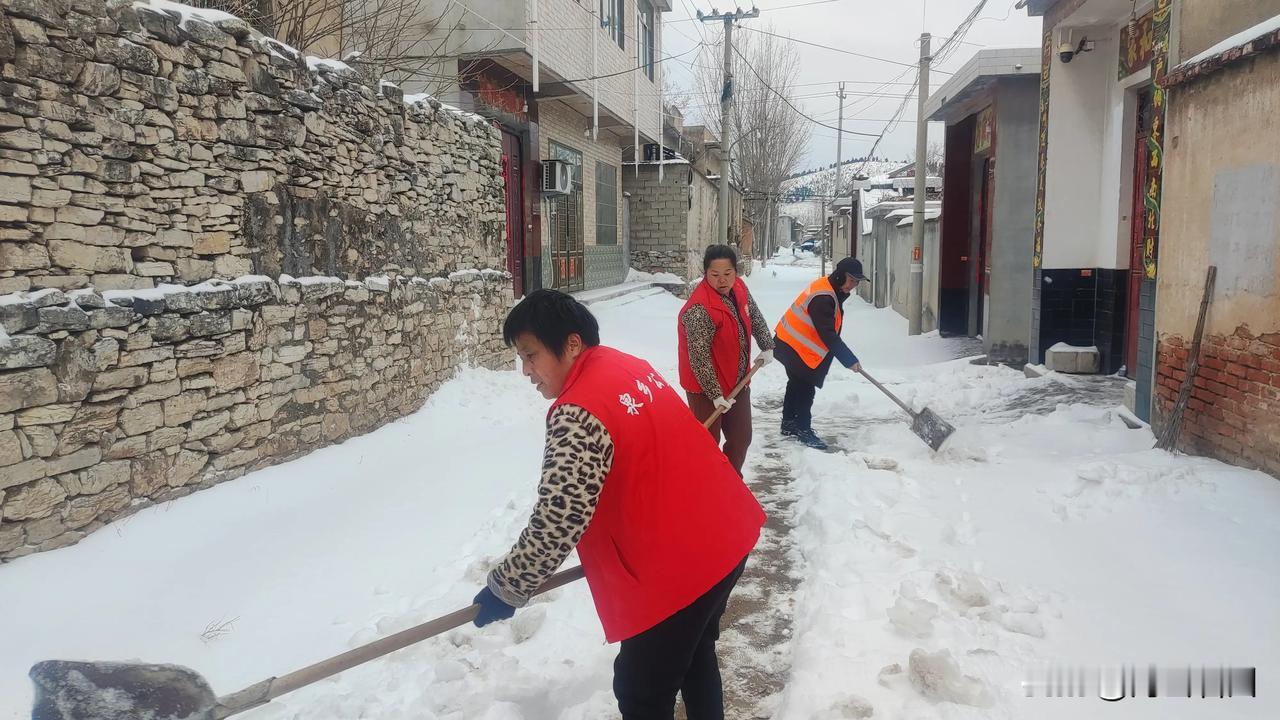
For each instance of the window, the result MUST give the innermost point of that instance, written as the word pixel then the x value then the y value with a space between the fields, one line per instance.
pixel 606 204
pixel 612 14
pixel 646 37
pixel 566 226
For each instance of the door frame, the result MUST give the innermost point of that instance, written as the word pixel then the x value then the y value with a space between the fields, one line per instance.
pixel 1137 225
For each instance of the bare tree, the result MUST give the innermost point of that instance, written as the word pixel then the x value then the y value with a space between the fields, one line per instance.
pixel 769 136
pixel 934 159
pixel 396 40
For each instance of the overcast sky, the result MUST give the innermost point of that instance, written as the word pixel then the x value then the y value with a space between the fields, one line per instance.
pixel 883 28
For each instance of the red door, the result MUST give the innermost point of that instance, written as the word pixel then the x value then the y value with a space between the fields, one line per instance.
pixel 1137 229
pixel 513 175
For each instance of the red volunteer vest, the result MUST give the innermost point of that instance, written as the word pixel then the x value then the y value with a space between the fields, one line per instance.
pixel 673 518
pixel 725 348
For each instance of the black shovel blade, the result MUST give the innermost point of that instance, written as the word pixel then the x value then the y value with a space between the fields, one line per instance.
pixel 931 428
pixel 67 690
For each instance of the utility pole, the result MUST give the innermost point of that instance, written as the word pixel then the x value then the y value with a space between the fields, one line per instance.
pixel 839 176
pixel 726 98
pixel 915 295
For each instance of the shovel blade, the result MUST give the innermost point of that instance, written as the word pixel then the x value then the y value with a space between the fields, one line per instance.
pixel 931 428
pixel 68 690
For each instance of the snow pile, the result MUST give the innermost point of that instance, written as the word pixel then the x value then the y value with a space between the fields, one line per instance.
pixel 663 278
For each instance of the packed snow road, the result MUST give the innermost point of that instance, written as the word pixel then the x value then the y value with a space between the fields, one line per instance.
pixel 892 582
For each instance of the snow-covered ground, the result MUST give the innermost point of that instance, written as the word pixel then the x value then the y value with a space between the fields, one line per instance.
pixel 1041 532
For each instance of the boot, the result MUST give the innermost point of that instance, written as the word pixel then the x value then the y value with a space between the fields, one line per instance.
pixel 810 439
pixel 789 428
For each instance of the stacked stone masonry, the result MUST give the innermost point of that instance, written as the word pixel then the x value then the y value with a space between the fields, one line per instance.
pixel 1234 410
pixel 155 172
pixel 136 149
pixel 112 403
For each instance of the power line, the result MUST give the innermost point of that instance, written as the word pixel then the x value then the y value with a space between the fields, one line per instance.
pixel 790 104
pixel 835 49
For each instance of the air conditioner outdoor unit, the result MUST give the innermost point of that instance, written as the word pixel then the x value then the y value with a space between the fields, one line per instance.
pixel 557 177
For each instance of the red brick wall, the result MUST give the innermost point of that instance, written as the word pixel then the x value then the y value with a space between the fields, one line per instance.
pixel 1234 412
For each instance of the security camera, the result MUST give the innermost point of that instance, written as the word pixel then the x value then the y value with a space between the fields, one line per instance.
pixel 1067 50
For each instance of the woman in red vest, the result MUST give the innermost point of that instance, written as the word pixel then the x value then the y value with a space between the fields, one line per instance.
pixel 661 520
pixel 715 329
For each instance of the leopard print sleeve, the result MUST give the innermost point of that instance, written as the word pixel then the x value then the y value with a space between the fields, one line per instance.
pixel 700 331
pixel 577 457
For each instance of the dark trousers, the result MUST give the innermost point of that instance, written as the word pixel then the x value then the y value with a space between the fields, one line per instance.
pixel 735 424
pixel 676 655
pixel 797 404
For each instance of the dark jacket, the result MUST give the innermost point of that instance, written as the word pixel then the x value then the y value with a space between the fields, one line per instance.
pixel 823 313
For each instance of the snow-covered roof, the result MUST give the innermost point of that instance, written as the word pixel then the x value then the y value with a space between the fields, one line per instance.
pixel 929 214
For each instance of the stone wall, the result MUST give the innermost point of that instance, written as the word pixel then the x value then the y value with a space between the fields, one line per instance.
pixel 136 149
pixel 110 404
pixel 155 173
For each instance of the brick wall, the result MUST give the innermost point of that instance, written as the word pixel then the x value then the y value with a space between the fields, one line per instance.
pixel 1234 411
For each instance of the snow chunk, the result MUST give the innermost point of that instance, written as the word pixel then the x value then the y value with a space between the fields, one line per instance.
pixel 1064 347
pixel 318 64
pixel 937 677
pixel 188 13
pixel 1241 38
pixel 912 615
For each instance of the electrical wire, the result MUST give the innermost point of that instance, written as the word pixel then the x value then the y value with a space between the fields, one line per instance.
pixel 834 49
pixel 790 104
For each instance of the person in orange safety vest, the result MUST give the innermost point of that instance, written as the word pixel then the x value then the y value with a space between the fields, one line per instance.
pixel 808 341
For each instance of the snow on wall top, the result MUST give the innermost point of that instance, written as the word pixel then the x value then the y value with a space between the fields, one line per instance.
pixel 1241 38
pixel 187 14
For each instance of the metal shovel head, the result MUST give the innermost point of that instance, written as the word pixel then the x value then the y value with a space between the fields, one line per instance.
pixel 931 428
pixel 67 690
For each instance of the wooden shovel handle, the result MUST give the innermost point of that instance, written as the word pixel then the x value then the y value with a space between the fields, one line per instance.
pixel 272 688
pixel 733 394
pixel 885 390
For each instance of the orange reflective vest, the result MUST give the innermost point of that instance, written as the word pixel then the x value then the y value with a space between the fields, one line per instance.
pixel 796 327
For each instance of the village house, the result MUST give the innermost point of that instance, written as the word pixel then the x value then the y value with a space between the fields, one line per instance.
pixel 989 107
pixel 565 139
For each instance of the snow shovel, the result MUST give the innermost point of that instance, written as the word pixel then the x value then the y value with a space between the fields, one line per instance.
pixel 926 424
pixel 71 690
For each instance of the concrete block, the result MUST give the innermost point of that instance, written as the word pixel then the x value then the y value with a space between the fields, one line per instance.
pixel 1066 358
